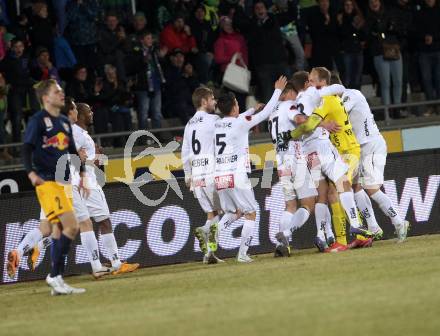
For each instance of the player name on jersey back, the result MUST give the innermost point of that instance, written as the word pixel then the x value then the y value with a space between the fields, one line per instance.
pixel 198 144
pixel 231 146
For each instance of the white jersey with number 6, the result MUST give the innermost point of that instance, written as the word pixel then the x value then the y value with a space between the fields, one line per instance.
pixel 198 158
pixel 361 118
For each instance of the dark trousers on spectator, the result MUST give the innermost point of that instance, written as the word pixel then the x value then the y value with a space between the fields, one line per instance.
pixel 100 119
pixel 2 127
pixel 85 54
pixel 267 74
pixel 430 71
pixel 120 122
pixel 149 104
pixel 16 103
pixel 202 63
pixel 353 65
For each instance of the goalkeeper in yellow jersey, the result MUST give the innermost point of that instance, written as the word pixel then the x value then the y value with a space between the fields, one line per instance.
pixel 331 108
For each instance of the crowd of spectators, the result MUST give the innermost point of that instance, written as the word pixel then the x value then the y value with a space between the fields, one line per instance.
pixel 150 62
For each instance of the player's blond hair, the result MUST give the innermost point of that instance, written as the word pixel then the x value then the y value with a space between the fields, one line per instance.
pixel 323 74
pixel 200 93
pixel 42 88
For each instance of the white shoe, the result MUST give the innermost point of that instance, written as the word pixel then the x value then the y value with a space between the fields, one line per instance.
pixel 102 272
pixel 70 289
pixel 244 258
pixel 402 231
pixel 57 287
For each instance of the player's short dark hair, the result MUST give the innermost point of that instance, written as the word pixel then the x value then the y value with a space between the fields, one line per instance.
pixel 42 88
pixel 289 87
pixel 82 108
pixel 335 79
pixel 299 80
pixel 69 104
pixel 226 102
pixel 323 74
pixel 200 93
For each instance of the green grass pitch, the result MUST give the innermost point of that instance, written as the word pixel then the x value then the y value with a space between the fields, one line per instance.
pixel 389 289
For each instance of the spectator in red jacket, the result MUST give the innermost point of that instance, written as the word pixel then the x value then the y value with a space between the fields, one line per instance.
pixel 226 46
pixel 177 35
pixel 229 43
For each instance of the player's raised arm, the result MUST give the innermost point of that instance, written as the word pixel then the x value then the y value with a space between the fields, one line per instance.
pixel 280 84
pixel 332 90
pixel 312 122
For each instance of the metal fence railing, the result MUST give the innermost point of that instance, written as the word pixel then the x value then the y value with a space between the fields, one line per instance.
pixel 388 121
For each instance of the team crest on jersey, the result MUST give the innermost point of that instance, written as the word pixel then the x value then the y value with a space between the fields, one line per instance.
pixel 346 99
pixel 66 127
pixel 293 107
pixel 248 118
pixel 48 123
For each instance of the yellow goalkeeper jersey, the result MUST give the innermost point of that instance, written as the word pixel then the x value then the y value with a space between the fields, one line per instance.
pixel 333 109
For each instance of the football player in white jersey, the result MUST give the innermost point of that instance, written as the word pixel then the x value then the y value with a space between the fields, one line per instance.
pixel 293 173
pixel 324 160
pixel 372 164
pixel 198 165
pixel 233 164
pixel 93 205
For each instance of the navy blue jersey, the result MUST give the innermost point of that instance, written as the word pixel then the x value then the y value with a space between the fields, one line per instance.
pixel 51 138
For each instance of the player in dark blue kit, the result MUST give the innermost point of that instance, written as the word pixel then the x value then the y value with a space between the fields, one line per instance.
pixel 48 139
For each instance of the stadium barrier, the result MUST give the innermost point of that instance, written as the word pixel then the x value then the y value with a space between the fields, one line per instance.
pixel 164 234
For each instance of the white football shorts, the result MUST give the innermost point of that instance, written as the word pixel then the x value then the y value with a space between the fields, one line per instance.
pixel 323 159
pixel 373 160
pixel 204 191
pixel 235 193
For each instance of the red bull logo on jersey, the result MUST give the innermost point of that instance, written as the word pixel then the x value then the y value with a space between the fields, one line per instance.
pixel 60 141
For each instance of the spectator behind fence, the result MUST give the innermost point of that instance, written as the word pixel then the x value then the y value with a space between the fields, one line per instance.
pixel 384 46
pixel 117 99
pixel 266 50
pixel 177 35
pixel 15 67
pixel 113 44
pixel 138 27
pixel 178 89
pixel 149 79
pixel 404 22
pixel 227 44
pixel 287 14
pixel 42 67
pixel 350 25
pixel 427 24
pixel 4 154
pixel 203 35
pixel 20 29
pixel 80 88
pixel 42 30
pixel 81 30
pixel 323 29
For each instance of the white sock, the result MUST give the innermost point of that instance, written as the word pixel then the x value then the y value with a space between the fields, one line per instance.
pixel 320 219
pixel 349 205
pixel 366 208
pixel 246 236
pixel 44 243
pixel 298 219
pixel 90 244
pixel 385 204
pixel 328 223
pixel 226 221
pixel 109 243
pixel 285 220
pixel 29 241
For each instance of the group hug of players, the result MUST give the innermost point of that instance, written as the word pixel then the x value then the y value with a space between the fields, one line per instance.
pixel 68 193
pixel 329 152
